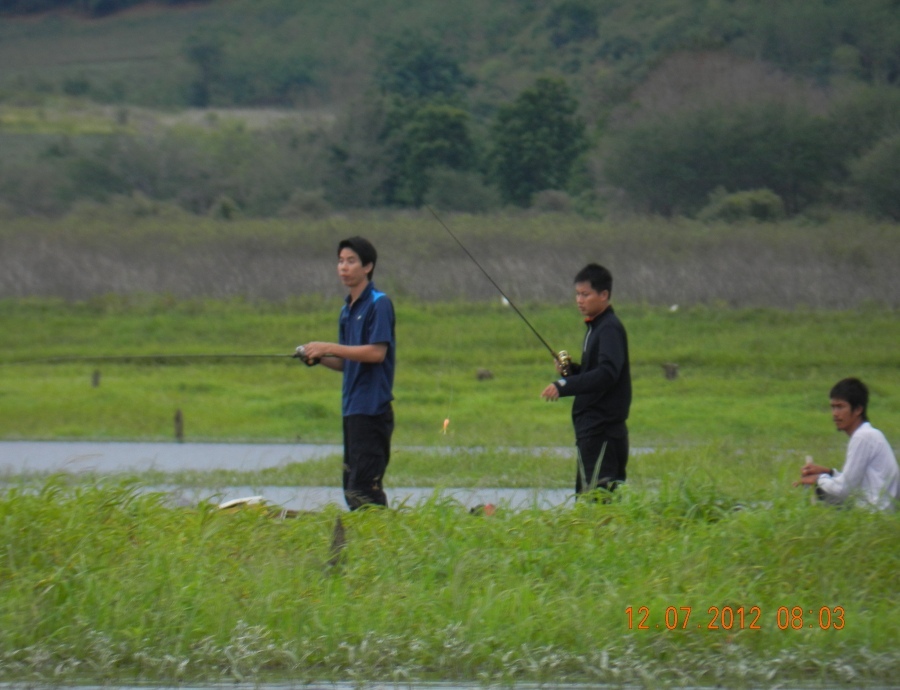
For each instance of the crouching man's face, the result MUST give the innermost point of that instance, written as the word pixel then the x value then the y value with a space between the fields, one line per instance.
pixel 846 418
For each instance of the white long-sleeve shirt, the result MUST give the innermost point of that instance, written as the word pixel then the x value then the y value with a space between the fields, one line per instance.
pixel 870 472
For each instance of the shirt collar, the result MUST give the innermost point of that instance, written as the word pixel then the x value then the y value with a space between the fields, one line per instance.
pixel 605 311
pixel 363 296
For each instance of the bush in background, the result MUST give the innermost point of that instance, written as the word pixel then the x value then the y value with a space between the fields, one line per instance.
pixel 670 165
pixel 755 204
pixel 467 192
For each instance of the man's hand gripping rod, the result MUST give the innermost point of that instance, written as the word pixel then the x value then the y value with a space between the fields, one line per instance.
pixel 300 353
pixel 563 361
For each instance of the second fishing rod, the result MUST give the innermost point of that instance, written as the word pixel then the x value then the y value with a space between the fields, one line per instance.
pixel 561 358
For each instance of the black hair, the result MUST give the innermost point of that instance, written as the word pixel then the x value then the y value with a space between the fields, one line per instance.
pixel 364 250
pixel 599 277
pixel 854 392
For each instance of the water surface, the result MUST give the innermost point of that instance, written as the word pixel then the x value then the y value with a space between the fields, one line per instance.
pixel 19 457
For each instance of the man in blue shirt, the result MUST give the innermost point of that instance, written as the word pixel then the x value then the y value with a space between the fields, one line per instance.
pixel 365 353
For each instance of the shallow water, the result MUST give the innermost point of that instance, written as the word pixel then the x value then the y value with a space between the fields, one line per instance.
pixel 18 457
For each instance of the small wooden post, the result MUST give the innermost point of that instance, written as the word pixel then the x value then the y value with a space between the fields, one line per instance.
pixel 95 378
pixel 179 426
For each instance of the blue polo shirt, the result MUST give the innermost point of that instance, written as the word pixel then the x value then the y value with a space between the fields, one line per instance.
pixel 368 388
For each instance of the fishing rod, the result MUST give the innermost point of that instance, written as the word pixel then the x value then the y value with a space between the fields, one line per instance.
pixel 140 358
pixel 562 357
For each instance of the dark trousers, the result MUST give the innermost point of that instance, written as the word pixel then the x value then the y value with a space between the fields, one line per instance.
pixel 611 470
pixel 367 451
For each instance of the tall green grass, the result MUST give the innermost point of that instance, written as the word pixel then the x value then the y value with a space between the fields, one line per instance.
pixel 103 581
pixel 109 584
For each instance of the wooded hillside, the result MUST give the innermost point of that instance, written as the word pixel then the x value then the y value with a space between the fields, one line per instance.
pixel 709 108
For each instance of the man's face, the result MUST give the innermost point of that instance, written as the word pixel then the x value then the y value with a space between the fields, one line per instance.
pixel 351 270
pixel 845 418
pixel 590 302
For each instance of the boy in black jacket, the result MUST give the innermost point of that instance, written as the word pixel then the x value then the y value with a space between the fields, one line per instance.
pixel 601 385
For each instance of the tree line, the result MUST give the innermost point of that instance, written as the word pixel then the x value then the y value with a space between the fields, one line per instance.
pixel 91 8
pixel 681 139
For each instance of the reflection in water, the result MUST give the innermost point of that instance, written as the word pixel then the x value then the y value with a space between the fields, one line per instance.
pixel 17 457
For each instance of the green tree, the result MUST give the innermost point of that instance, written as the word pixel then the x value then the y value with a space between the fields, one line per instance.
pixel 864 117
pixel 433 135
pixel 414 123
pixel 535 141
pixel 809 36
pixel 412 66
pixel 357 159
pixel 572 21
pixel 877 176
pixel 206 51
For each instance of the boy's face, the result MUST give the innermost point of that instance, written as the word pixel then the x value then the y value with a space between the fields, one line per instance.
pixel 590 302
pixel 845 418
pixel 351 270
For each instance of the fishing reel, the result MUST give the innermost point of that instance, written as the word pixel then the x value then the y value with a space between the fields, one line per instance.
pixel 300 353
pixel 564 363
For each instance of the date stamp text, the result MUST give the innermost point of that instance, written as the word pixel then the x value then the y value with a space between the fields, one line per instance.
pixel 735 618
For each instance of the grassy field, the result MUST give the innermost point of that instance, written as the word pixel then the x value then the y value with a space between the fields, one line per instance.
pixel 759 376
pixel 685 585
pixel 710 568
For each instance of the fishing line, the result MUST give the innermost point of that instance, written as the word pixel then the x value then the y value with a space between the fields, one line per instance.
pixel 561 358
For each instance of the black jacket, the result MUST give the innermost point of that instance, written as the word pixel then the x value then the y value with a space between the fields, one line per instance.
pixel 601 384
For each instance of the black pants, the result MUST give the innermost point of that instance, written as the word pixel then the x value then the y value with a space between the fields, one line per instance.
pixel 611 471
pixel 367 451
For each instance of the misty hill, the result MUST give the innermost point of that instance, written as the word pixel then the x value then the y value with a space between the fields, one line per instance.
pixel 661 103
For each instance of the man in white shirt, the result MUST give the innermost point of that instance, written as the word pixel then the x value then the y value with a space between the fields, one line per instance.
pixel 870 474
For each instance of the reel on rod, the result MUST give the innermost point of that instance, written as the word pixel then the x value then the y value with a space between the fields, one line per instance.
pixel 564 362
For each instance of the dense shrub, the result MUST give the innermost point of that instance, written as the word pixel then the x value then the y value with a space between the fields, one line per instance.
pixel 455 190
pixel 552 201
pixel 670 165
pixel 192 166
pixel 306 203
pixel 754 204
